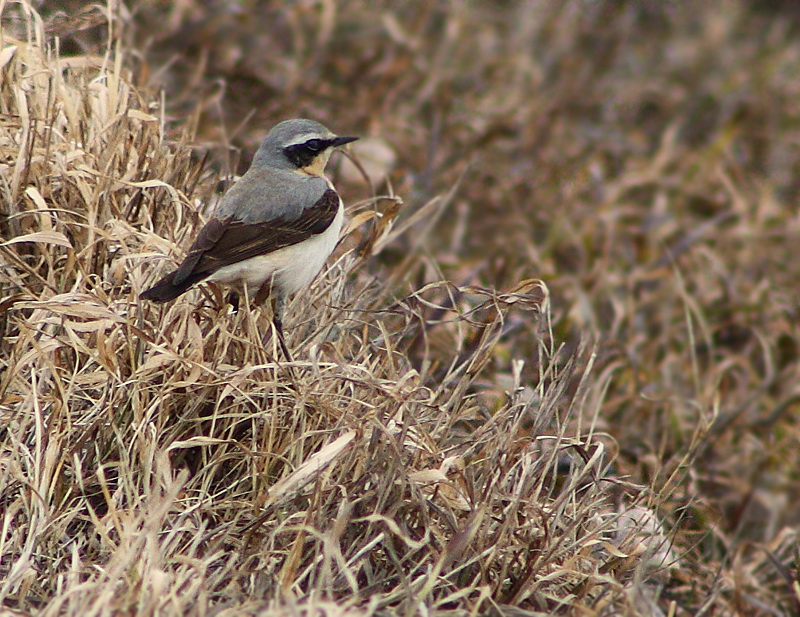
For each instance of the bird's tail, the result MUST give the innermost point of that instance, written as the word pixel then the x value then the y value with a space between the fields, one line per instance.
pixel 166 290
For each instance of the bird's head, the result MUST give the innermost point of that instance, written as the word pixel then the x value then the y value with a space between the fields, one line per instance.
pixel 301 145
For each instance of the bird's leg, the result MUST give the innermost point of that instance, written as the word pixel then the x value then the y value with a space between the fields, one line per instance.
pixel 278 306
pixel 268 290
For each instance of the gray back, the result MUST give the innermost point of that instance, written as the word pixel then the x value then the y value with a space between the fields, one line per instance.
pixel 266 193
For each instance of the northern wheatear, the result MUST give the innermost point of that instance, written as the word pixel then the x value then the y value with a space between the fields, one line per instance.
pixel 275 228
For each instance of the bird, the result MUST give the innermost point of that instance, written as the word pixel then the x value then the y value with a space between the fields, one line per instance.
pixel 274 229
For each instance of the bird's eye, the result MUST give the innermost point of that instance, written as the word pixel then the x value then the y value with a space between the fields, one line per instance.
pixel 315 145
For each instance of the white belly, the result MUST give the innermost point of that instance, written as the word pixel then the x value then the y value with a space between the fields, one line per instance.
pixel 290 268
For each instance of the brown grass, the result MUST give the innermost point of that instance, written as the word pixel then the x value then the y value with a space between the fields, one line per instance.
pixel 455 436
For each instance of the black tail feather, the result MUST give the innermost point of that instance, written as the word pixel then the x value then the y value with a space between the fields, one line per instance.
pixel 165 290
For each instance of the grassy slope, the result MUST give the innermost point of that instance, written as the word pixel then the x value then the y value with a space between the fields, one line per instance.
pixel 640 160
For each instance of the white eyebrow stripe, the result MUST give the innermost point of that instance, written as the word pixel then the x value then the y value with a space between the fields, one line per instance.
pixel 301 139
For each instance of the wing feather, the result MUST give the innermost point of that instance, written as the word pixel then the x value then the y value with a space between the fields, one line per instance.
pixel 222 242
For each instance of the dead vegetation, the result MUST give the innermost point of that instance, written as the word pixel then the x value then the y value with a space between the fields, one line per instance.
pixel 455 436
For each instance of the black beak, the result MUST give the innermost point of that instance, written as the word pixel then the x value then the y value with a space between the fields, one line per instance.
pixel 340 141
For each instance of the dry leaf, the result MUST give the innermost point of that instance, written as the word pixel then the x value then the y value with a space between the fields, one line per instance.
pixel 42 237
pixel 311 467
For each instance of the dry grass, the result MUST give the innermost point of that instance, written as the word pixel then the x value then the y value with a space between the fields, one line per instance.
pixel 455 437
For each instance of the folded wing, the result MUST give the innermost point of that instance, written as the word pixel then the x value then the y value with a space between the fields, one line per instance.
pixel 225 241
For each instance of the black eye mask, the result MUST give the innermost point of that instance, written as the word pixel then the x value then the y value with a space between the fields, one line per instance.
pixel 304 154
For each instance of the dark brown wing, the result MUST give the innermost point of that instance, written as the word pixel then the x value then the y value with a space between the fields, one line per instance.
pixel 222 242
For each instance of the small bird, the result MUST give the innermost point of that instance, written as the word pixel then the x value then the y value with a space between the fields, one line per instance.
pixel 274 229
